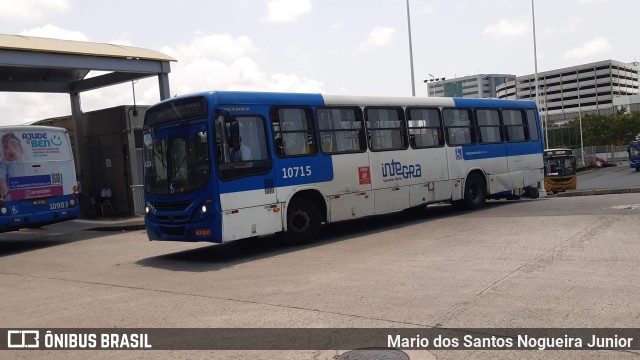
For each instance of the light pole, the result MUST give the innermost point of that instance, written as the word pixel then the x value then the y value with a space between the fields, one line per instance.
pixel 535 62
pixel 580 119
pixel 413 83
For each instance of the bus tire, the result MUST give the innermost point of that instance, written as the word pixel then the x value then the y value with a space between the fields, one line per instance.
pixel 475 192
pixel 303 222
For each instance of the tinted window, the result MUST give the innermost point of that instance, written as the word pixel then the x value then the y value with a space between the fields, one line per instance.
pixel 489 126
pixel 386 129
pixel 424 128
pixel 341 130
pixel 459 126
pixel 293 131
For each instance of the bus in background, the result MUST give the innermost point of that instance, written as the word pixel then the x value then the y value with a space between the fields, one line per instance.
pixel 559 170
pixel 37 177
pixel 222 166
pixel 634 155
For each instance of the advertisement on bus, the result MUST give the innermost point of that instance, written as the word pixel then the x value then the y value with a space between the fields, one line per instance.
pixel 28 167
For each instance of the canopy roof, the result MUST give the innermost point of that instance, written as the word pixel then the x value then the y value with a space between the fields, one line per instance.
pixel 33 64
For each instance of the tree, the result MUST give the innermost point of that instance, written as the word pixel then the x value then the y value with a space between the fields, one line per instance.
pixel 608 129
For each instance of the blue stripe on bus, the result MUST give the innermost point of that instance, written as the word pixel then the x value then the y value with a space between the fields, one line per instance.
pixel 488 151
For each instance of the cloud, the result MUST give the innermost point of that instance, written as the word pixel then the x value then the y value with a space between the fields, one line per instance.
pixel 214 46
pixel 378 37
pixel 31 9
pixel 282 11
pixel 223 62
pixel 54 32
pixel 427 9
pixel 508 28
pixel 589 48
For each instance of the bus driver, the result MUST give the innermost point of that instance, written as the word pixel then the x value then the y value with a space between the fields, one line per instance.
pixel 238 151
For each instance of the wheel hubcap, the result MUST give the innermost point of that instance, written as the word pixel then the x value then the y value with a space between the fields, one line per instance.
pixel 300 221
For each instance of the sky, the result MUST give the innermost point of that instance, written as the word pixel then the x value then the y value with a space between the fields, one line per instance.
pixel 355 47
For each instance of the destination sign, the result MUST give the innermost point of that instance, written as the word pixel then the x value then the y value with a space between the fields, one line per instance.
pixel 176 110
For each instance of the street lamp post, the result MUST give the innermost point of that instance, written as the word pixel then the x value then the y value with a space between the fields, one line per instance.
pixel 535 62
pixel 580 119
pixel 413 83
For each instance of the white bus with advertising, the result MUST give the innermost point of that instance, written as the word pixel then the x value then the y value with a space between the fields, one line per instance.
pixel 38 184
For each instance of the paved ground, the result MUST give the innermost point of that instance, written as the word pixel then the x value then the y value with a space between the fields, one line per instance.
pixel 554 262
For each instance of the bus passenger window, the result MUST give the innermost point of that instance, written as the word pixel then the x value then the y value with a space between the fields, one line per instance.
pixel 515 125
pixel 293 131
pixel 459 126
pixel 489 126
pixel 424 128
pixel 341 130
pixel 386 128
pixel 531 121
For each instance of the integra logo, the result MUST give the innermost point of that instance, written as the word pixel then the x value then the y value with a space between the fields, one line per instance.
pixel 397 170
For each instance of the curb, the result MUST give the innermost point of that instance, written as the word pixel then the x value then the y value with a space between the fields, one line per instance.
pixel 596 192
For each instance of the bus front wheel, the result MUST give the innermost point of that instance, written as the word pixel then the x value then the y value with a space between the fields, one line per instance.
pixel 303 222
pixel 475 192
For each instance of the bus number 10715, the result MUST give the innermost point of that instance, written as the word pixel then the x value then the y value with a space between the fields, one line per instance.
pixel 296 171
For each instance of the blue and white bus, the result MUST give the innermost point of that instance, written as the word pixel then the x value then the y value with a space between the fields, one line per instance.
pixel 222 166
pixel 38 184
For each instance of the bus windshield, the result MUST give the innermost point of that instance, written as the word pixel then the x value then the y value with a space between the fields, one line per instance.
pixel 560 166
pixel 179 162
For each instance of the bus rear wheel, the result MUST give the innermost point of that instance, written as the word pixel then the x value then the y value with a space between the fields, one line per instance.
pixel 475 192
pixel 303 222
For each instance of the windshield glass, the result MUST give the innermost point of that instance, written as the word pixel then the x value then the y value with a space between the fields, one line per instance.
pixel 560 166
pixel 176 160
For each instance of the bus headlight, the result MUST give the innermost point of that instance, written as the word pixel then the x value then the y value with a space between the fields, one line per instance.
pixel 203 209
pixel 146 209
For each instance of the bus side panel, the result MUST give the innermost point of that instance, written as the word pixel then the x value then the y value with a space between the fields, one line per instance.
pixel 392 172
pixel 248 221
pixel 523 157
pixel 433 185
pixel 300 171
pixel 350 195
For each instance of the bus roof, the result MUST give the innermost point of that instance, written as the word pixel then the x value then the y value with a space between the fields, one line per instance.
pixel 5 128
pixel 275 98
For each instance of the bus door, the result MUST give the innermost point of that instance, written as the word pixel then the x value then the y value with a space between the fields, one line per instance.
pixel 298 163
pixel 342 137
pixel 247 189
pixel 518 146
pixel 492 150
pixel 391 170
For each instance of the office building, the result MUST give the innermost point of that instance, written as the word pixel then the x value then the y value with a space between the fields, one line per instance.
pixel 565 93
pixel 474 86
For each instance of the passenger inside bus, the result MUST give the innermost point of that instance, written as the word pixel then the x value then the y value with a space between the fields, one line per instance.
pixel 238 151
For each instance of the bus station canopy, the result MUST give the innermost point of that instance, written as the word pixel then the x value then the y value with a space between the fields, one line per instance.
pixel 41 65
pixel 33 64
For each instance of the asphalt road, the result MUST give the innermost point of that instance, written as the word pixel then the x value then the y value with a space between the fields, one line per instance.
pixel 615 177
pixel 552 262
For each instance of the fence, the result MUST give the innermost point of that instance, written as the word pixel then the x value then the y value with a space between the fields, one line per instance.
pixel 611 153
pixel 137 192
